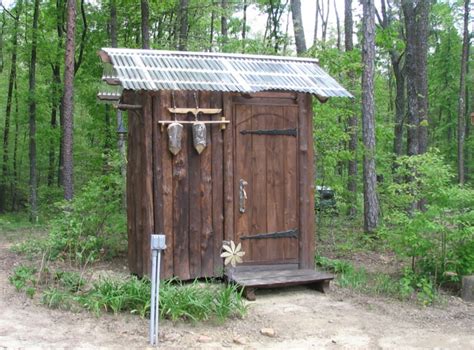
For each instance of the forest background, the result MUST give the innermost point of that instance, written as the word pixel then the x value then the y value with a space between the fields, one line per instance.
pixel 60 142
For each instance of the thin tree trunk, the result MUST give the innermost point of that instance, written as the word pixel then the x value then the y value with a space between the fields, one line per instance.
pixel 224 26
pixel 14 189
pixel 244 25
pixel 211 30
pixel 183 25
pixel 353 120
pixel 145 24
pixel 462 96
pixel 298 28
pixel 68 102
pixel 338 27
pixel 32 116
pixel 6 131
pixel 56 100
pixel 113 23
pixel 316 20
pixel 1 42
pixel 421 55
pixel 399 106
pixel 371 205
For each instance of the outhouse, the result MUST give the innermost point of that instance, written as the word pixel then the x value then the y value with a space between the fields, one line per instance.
pixel 252 182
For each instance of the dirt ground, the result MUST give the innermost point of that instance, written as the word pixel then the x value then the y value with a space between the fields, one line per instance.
pixel 301 319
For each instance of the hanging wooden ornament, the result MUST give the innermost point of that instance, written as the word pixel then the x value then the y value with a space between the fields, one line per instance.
pixel 199 136
pixel 175 134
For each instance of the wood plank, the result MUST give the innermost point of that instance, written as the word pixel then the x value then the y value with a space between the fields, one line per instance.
pixel 257 206
pixel 256 268
pixel 265 101
pixel 157 171
pixel 228 170
pixel 167 190
pixel 306 187
pixel 146 199
pixel 290 186
pixel 207 241
pixel 194 175
pixel 181 203
pixel 217 188
pixel 131 189
pixel 278 273
pixel 242 166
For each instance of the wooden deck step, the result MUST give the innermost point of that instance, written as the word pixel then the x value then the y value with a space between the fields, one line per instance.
pixel 252 278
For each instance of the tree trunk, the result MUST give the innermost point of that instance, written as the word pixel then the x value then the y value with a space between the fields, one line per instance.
pixel 68 102
pixel 371 205
pixel 113 22
pixel 353 120
pixel 14 187
pixel 462 95
pixel 32 115
pixel 224 26
pixel 1 42
pixel 421 55
pixel 244 25
pixel 6 131
pixel 338 27
pixel 399 105
pixel 298 28
pixel 145 24
pixel 183 25
pixel 316 20
pixel 411 74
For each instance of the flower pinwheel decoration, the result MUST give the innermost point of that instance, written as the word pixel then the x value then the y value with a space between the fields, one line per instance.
pixel 232 253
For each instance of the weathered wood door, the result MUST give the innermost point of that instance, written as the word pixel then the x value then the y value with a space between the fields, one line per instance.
pixel 266 214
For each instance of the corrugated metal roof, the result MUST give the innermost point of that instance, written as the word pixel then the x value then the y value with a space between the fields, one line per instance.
pixel 155 70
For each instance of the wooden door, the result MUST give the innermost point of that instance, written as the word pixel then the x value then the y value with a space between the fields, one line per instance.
pixel 265 182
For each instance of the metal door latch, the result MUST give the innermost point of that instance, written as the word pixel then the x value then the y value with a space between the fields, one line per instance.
pixel 242 195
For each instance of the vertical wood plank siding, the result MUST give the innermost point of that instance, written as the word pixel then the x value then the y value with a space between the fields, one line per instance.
pixel 190 197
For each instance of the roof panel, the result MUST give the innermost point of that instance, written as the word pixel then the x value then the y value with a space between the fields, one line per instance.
pixel 164 70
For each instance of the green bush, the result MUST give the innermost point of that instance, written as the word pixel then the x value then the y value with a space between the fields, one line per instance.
pixel 439 238
pixel 23 278
pixel 93 225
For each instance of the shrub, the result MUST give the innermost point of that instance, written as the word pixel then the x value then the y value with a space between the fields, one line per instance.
pixel 439 238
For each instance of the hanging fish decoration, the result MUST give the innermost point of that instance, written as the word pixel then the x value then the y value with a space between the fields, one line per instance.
pixel 175 134
pixel 199 136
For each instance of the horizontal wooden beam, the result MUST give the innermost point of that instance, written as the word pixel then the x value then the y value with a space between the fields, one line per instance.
pixel 195 111
pixel 123 106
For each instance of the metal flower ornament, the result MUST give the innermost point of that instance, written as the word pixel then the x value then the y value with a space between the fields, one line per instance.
pixel 233 254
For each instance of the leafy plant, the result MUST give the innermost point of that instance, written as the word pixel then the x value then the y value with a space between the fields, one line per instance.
pixel 23 278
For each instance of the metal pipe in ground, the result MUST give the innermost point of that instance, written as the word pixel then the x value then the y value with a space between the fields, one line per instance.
pixel 158 243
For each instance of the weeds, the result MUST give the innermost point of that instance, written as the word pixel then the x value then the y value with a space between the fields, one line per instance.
pixel 24 279
pixel 409 286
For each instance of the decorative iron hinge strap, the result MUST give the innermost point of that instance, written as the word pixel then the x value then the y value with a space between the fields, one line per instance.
pixel 272 132
pixel 280 234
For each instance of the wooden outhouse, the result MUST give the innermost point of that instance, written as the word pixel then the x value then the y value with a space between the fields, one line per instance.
pixel 252 183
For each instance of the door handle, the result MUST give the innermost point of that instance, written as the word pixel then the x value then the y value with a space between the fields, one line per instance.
pixel 242 195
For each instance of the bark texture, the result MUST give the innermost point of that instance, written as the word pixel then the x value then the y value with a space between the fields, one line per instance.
pixel 353 119
pixel 298 28
pixel 68 102
pixel 371 205
pixel 462 95
pixel 32 115
pixel 145 12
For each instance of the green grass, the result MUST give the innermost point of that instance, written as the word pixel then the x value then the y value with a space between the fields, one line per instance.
pixel 196 301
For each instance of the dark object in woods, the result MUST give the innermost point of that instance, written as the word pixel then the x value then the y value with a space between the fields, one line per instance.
pixel 194 199
pixel 325 198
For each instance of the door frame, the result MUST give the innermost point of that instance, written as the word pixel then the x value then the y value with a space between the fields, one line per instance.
pixel 305 158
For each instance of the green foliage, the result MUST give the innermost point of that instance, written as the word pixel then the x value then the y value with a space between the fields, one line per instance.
pixel 23 278
pixel 437 238
pixel 178 301
pixel 409 286
pixel 92 226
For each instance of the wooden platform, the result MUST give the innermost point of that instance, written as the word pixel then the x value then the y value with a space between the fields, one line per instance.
pixel 275 276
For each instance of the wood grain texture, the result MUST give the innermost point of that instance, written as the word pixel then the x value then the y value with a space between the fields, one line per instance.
pixel 181 204
pixel 228 170
pixel 195 205
pixel 306 187
pixel 205 201
pixel 217 172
